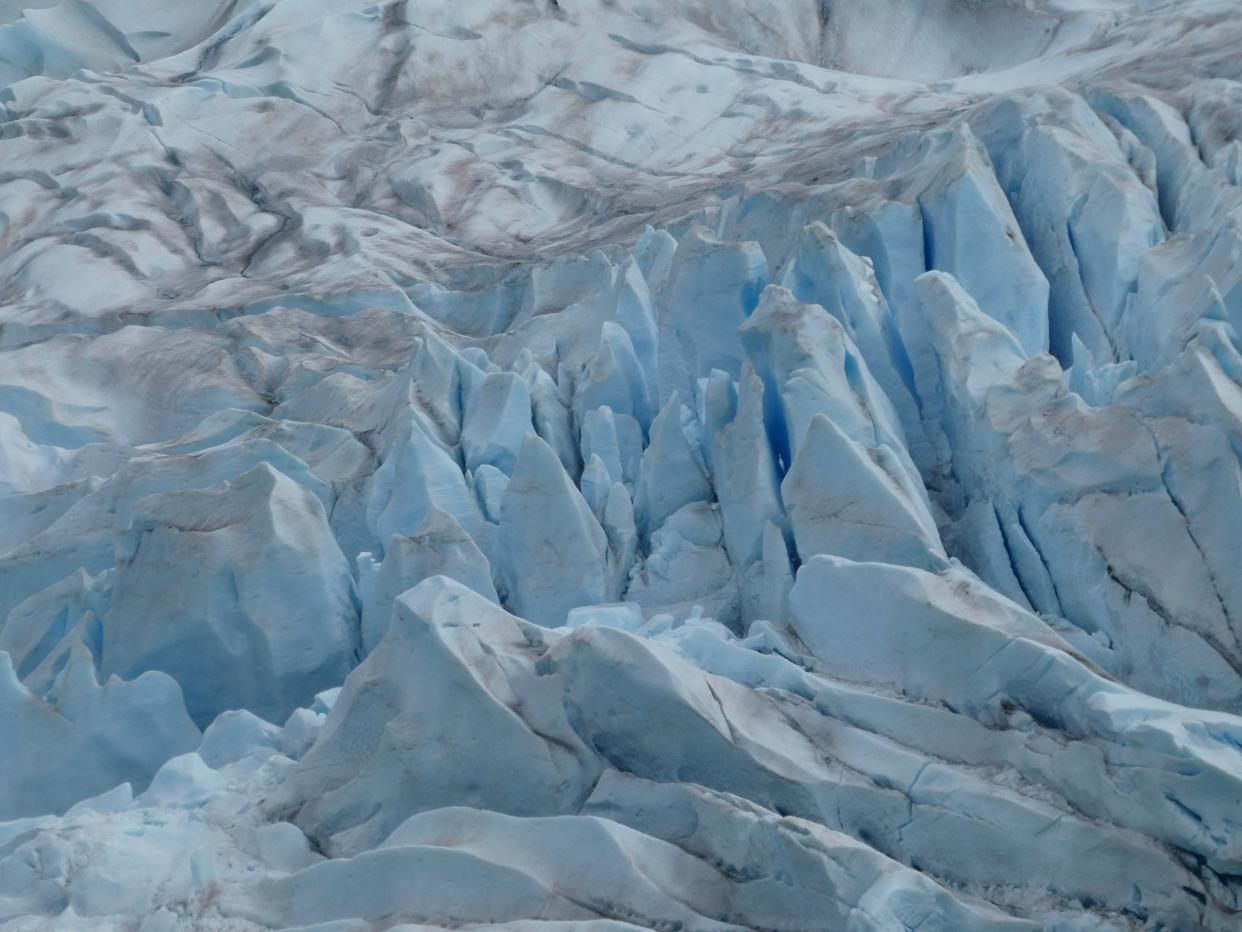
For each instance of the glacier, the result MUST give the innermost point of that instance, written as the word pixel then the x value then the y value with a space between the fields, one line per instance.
pixel 621 464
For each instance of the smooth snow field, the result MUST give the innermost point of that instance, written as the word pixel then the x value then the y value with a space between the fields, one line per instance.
pixel 621 464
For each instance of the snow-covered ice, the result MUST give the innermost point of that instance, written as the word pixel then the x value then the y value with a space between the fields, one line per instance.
pixel 619 464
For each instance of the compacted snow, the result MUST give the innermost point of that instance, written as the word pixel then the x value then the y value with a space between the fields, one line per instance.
pixel 621 464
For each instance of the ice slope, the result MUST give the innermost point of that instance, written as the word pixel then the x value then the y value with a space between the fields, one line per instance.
pixel 621 465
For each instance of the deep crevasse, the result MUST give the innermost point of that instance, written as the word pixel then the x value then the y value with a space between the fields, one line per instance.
pixel 621 465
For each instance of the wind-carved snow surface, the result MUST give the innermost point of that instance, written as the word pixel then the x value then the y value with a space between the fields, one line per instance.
pixel 621 465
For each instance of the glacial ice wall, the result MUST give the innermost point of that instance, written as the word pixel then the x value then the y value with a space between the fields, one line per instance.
pixel 621 465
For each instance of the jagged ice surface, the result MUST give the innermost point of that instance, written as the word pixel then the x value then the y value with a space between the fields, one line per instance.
pixel 621 465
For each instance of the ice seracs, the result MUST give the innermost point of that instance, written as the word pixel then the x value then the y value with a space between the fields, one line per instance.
pixel 553 550
pixel 81 738
pixel 852 502
pixel 621 466
pixel 440 547
pixel 195 597
pixel 453 670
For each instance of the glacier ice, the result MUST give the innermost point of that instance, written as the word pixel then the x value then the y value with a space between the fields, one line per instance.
pixel 610 465
pixel 245 641
pixel 81 737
